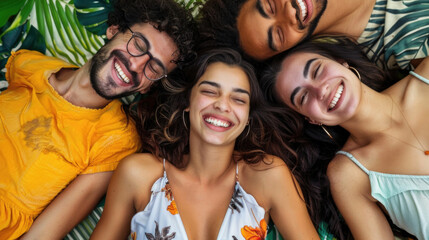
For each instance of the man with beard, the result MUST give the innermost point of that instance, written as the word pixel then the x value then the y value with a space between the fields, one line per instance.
pixel 394 33
pixel 63 130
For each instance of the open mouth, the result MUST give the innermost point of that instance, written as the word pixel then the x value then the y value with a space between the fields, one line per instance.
pixel 304 9
pixel 217 122
pixel 337 97
pixel 120 73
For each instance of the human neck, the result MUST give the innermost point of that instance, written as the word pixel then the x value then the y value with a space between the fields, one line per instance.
pixel 75 87
pixel 373 116
pixel 345 17
pixel 209 163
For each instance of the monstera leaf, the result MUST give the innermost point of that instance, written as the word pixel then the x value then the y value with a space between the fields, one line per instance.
pixel 56 23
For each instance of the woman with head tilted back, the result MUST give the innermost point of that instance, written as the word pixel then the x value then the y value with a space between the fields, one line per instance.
pixel 383 167
pixel 206 176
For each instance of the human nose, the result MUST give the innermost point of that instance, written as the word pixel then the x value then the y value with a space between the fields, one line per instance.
pixel 319 90
pixel 137 63
pixel 222 104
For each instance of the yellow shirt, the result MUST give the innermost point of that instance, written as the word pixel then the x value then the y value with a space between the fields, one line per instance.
pixel 46 142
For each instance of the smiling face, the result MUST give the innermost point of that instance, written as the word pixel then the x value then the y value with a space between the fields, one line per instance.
pixel 219 104
pixel 268 27
pixel 115 73
pixel 319 88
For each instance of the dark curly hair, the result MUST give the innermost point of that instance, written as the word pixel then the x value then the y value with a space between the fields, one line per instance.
pixel 218 24
pixel 167 15
pixel 315 149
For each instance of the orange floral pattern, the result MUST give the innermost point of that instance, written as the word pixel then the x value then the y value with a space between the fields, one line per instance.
pixel 134 235
pixel 257 233
pixel 172 208
pixel 167 190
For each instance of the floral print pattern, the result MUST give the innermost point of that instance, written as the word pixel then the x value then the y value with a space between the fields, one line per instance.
pixel 255 233
pixel 236 201
pixel 161 235
pixel 161 220
pixel 172 208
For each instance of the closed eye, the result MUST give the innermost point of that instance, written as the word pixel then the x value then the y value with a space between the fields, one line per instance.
pixel 208 92
pixel 316 71
pixel 271 7
pixel 240 101
pixel 303 98
pixel 154 68
pixel 280 34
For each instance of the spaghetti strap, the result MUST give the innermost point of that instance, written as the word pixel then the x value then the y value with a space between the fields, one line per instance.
pixel 163 166
pixel 236 172
pixel 423 79
pixel 351 157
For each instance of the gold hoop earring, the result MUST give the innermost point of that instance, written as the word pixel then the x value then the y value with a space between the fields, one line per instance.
pixel 248 129
pixel 183 118
pixel 355 71
pixel 326 131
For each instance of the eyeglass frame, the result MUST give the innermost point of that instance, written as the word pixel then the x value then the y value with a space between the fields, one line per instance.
pixel 142 37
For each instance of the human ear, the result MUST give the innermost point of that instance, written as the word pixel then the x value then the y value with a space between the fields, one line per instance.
pixel 312 121
pixel 111 31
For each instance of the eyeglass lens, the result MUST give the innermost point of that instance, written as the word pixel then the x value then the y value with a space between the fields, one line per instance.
pixel 153 69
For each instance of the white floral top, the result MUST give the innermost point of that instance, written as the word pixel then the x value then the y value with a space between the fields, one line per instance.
pixel 160 219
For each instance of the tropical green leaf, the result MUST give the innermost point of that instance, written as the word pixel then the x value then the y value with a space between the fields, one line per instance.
pixel 93 14
pixel 9 8
pixel 24 36
pixel 21 17
pixel 193 5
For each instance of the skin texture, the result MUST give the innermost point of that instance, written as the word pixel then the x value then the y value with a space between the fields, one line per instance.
pixel 203 188
pixel 103 73
pixel 84 192
pixel 380 137
pixel 316 81
pixel 268 27
pixel 77 86
pixel 285 22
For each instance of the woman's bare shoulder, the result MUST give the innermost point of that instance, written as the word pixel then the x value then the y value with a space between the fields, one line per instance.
pixel 140 167
pixel 343 172
pixel 271 169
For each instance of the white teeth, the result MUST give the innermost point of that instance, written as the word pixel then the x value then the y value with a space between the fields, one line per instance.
pixel 336 97
pixel 303 7
pixel 216 122
pixel 121 73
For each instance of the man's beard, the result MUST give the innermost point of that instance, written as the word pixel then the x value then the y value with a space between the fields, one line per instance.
pixel 103 86
pixel 316 20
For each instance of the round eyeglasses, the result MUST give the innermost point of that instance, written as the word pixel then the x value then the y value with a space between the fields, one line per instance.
pixel 138 46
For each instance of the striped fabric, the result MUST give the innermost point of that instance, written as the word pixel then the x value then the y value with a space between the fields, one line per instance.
pixel 84 229
pixel 397 32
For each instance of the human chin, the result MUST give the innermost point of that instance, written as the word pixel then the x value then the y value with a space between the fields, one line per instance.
pixel 103 83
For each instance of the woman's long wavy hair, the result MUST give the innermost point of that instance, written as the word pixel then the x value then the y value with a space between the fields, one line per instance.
pixel 164 128
pixel 314 148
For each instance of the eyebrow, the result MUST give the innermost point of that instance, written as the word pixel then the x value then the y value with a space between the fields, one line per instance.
pixel 217 85
pixel 305 73
pixel 292 96
pixel 307 66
